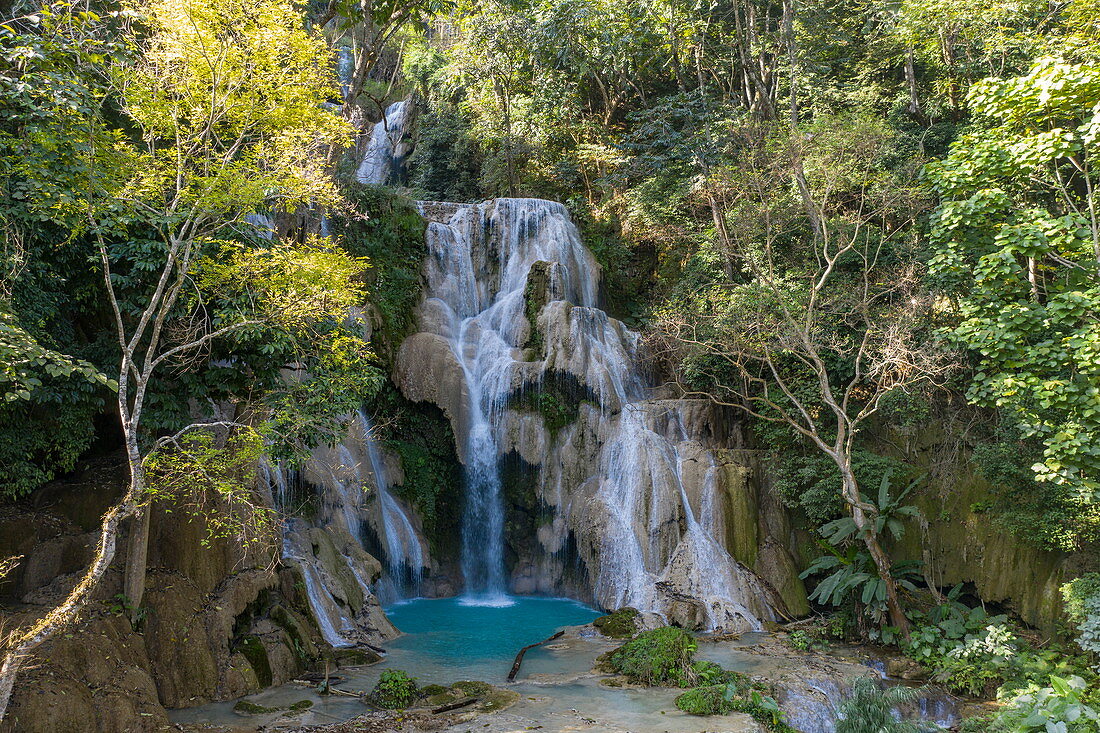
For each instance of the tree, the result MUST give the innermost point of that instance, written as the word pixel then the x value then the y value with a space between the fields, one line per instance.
pixel 824 319
pixel 221 115
pixel 368 26
pixel 1016 247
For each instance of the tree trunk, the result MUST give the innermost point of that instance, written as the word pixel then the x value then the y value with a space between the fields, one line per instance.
pixel 870 539
pixel 911 82
pixel 138 546
pixel 137 555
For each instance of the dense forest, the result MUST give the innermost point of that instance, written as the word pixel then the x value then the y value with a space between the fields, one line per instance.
pixel 863 233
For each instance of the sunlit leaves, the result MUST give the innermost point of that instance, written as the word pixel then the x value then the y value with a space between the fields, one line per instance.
pixel 1016 241
pixel 213 479
pixel 286 284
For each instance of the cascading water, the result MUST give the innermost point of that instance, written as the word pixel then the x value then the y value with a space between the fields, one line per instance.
pixel 386 148
pixel 626 452
pixel 476 289
pixel 404 554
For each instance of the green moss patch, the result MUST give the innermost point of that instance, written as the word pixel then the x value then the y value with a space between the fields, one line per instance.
pixel 244 707
pixel 659 657
pixel 252 648
pixel 620 624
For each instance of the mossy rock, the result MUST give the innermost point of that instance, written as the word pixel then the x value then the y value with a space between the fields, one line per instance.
pixel 497 699
pixel 472 688
pixel 244 707
pixel 252 648
pixel 659 657
pixel 620 624
pixel 354 657
pixel 301 705
pixel 429 690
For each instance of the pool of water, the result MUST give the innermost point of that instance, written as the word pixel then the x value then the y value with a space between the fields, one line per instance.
pixel 448 639
pixel 445 640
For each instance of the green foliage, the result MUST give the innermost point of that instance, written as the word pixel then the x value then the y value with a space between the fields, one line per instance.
pixel 395 690
pixel 852 578
pixel 214 481
pixel 620 624
pixel 1058 708
pixel 705 700
pixel 889 516
pixel 723 699
pixel 138 141
pixel 24 362
pixel 869 708
pixel 974 652
pixel 658 657
pixel 1017 263
pixel 446 165
pixel 1082 607
pixel 122 606
pixel 806 640
pixel 389 232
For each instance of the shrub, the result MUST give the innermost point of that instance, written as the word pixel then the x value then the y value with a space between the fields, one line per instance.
pixel 869 708
pixel 980 661
pixel 1082 597
pixel 658 657
pixel 764 710
pixel 1060 708
pixel 395 690
pixel 730 698
pixel 705 700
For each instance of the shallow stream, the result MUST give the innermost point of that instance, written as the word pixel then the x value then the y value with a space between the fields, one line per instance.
pixel 452 639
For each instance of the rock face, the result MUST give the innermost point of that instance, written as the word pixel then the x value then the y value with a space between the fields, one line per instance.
pixel 217 622
pixel 584 479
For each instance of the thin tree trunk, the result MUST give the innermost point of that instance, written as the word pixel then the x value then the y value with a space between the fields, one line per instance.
pixel 911 81
pixel 138 545
pixel 878 555
pixel 137 559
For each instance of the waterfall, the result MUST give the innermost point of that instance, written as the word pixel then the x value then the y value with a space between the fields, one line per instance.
pixel 477 288
pixel 387 146
pixel 332 623
pixel 626 453
pixel 404 555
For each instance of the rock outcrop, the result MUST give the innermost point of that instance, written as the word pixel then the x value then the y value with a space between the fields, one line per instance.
pixel 217 621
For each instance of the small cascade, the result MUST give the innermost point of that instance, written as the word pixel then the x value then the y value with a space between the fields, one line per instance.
pixel 330 620
pixel 404 554
pixel 388 146
pixel 345 64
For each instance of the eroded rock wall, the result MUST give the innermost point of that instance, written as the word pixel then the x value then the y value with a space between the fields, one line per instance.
pixel 217 622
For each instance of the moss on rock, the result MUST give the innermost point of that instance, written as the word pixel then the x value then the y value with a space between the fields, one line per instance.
pixel 659 657
pixel 620 624
pixel 252 648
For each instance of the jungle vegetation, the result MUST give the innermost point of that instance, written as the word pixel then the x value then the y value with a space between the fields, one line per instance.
pixel 835 216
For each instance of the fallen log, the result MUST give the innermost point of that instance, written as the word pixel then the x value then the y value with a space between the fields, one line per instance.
pixel 455 705
pixel 519 657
